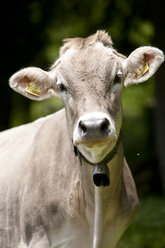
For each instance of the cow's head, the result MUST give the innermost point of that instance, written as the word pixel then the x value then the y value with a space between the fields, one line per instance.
pixel 89 77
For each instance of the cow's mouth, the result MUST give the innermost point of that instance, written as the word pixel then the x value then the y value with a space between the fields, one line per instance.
pixel 99 143
pixel 96 150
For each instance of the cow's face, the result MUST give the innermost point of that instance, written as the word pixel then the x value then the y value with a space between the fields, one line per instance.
pixel 90 84
pixel 89 77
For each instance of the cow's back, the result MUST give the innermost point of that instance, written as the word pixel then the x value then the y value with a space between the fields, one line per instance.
pixel 29 173
pixel 15 148
pixel 17 145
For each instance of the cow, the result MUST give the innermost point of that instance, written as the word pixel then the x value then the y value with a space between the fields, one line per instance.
pixel 64 181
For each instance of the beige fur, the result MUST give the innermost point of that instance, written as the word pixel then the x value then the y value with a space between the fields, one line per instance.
pixel 47 200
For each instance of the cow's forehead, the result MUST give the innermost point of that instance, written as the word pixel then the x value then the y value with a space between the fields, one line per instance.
pixel 93 62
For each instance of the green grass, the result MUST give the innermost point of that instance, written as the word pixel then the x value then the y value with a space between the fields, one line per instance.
pixel 148 227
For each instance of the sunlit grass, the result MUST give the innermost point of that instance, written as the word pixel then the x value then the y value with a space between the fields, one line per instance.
pixel 148 227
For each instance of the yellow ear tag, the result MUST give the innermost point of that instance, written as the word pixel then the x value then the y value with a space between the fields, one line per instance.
pixel 142 71
pixel 32 89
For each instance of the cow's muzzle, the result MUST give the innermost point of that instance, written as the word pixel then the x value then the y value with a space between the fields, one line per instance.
pixel 94 129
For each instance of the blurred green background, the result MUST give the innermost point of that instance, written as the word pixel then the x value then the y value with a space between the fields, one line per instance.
pixel 31 35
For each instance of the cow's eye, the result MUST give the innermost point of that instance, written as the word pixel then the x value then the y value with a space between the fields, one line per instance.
pixel 117 79
pixel 62 88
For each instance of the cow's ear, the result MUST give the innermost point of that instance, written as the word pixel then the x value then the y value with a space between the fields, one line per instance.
pixel 142 64
pixel 34 83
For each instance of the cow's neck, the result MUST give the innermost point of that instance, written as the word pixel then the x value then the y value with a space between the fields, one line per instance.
pixel 104 200
pixel 101 171
pixel 116 171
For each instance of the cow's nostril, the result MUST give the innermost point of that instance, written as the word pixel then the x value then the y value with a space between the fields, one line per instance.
pixel 83 127
pixel 94 128
pixel 104 125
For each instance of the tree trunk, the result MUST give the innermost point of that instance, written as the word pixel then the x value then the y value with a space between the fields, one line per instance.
pixel 157 16
pixel 160 123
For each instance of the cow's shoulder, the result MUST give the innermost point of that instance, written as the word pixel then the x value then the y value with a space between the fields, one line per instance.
pixel 17 144
pixel 28 131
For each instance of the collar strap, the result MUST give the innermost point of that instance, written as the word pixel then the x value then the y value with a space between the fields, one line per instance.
pixel 107 159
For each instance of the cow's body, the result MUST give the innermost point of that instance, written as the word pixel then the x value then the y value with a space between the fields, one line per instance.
pixel 37 201
pixel 47 196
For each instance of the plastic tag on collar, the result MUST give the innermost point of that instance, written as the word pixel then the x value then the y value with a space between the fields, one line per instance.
pixel 143 70
pixel 32 89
